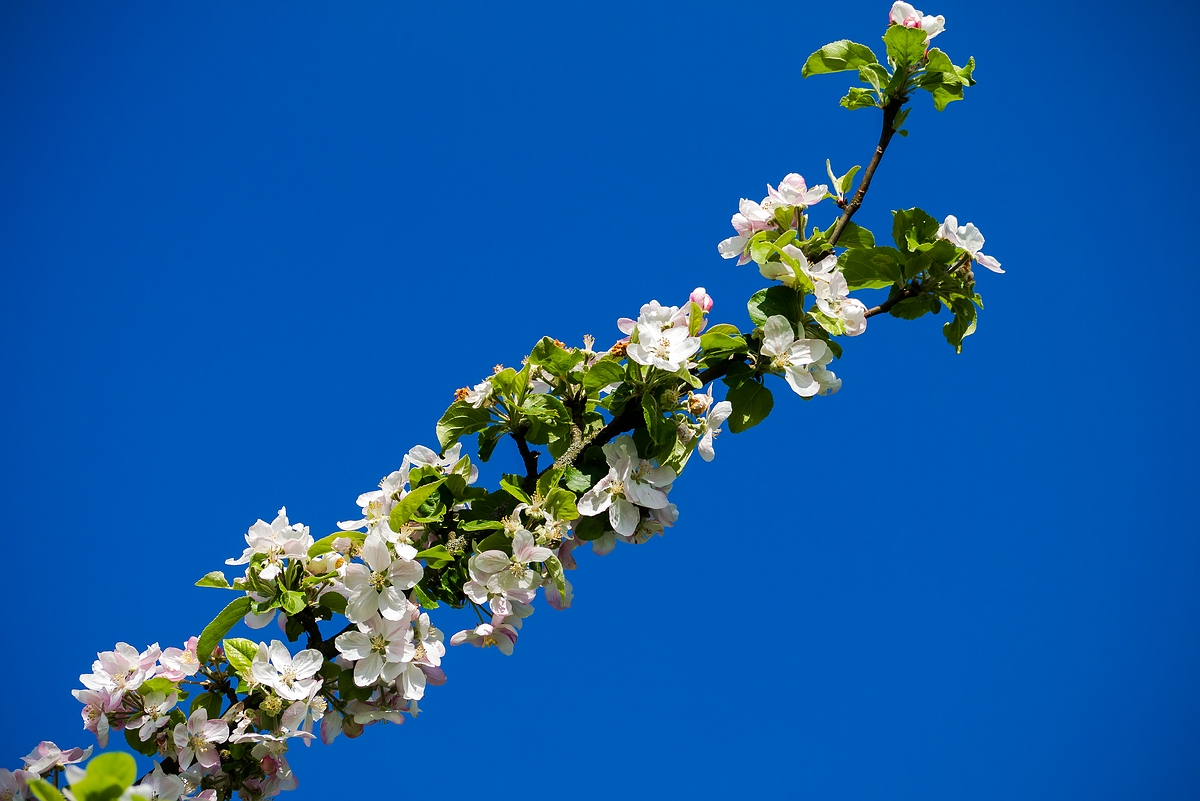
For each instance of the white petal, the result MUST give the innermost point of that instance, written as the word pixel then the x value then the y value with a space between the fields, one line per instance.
pixel 777 335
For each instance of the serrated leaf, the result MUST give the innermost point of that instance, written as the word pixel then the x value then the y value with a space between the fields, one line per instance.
pixel 874 268
pixel 859 98
pixel 424 600
pixel 214 579
pixel 854 236
pixel 905 46
pixel 912 308
pixel 554 359
pixel 601 374
pixel 406 509
pixel 460 420
pixel 592 528
pixel 560 504
pixel 576 480
pixel 480 525
pixel 240 653
pixel 837 57
pixel 292 602
pixel 766 303
pixel 220 626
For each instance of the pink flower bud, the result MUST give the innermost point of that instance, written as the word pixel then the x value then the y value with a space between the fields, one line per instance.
pixel 701 299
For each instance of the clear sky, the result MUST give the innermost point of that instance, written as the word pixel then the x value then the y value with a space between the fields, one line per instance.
pixel 248 251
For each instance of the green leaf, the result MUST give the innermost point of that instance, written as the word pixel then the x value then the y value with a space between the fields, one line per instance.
pixel 334 603
pixel 577 481
pixel 436 557
pixel 460 420
pixel 766 303
pixel 656 424
pixel 876 75
pixel 108 776
pixel 560 504
pixel 859 98
pixel 945 88
pixel 488 439
pixel 854 236
pixel 292 602
pixel 592 528
pixel 912 227
pixel 424 600
pixel 751 402
pixel 510 384
pixel 480 525
pixel 215 579
pixel 905 46
pixel 838 57
pixel 325 544
pixel 940 62
pixel 158 684
pixel 967 73
pixel 406 509
pixel 496 542
pixel 555 569
pixel 46 792
pixel 841 185
pixel 554 359
pixel 240 653
pixel 601 374
pixel 963 324
pixel 512 485
pixel 548 480
pixel 912 308
pixel 875 268
pixel 720 342
pixel 222 623
pixel 546 408
pixel 144 747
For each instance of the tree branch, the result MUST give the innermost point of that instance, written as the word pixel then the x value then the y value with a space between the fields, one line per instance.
pixel 885 137
pixel 530 458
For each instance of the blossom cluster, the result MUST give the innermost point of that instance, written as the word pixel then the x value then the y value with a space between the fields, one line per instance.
pixel 604 436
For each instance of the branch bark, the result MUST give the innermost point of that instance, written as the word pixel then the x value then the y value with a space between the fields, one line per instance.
pixel 885 137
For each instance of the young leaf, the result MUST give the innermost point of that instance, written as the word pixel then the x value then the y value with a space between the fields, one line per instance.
pixel 222 623
pixel 838 57
pixel 214 579
pixel 512 485
pixel 592 528
pixel 460 420
pixel 436 557
pixel 46 792
pixel 576 480
pixel 751 402
pixel 859 98
pixel 240 654
pixel 766 303
pixel 554 359
pixel 406 509
pixel 854 236
pixel 875 268
pixel 905 46
pixel 325 544
pixel 601 374
pixel 108 776
pixel 292 602
pixel 560 504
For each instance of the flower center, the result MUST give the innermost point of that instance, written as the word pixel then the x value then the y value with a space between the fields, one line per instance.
pixel 318 706
pixel 781 361
pixel 378 580
pixel 617 488
pixel 420 652
pixel 379 644
pixel 489 641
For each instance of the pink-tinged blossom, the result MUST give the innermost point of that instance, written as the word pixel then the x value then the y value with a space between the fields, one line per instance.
pixel 786 273
pixel 122 669
pixel 378 585
pixel 793 191
pixel 701 299
pixel 365 713
pixel 792 356
pixel 555 599
pixel 750 219
pixel 904 14
pixel 291 677
pixel 426 658
pixel 655 316
pixel 501 633
pixel 379 649
pixel 420 456
pixel 98 705
pixel 197 740
pixel 47 756
pixel 13 784
pixel 278 540
pixel 179 663
pixel 969 239
pixel 667 349
pixel 159 785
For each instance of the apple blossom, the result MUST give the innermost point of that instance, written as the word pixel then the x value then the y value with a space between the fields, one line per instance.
pixel 291 677
pixel 179 663
pixel 792 356
pixel 969 239
pixel 793 191
pixel 501 632
pixel 278 541
pixel 156 708
pixel 379 649
pixel 833 299
pixel 197 739
pixel 47 756
pixel 121 669
pixel 712 427
pixel 628 483
pixel 377 586
pixel 98 706
pixel 904 14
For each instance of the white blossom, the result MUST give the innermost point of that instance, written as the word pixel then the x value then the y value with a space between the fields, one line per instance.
pixel 969 239
pixel 291 677
pixel 379 649
pixel 278 540
pixel 377 586
pixel 792 356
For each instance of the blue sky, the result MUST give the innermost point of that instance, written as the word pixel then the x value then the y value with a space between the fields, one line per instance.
pixel 248 252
